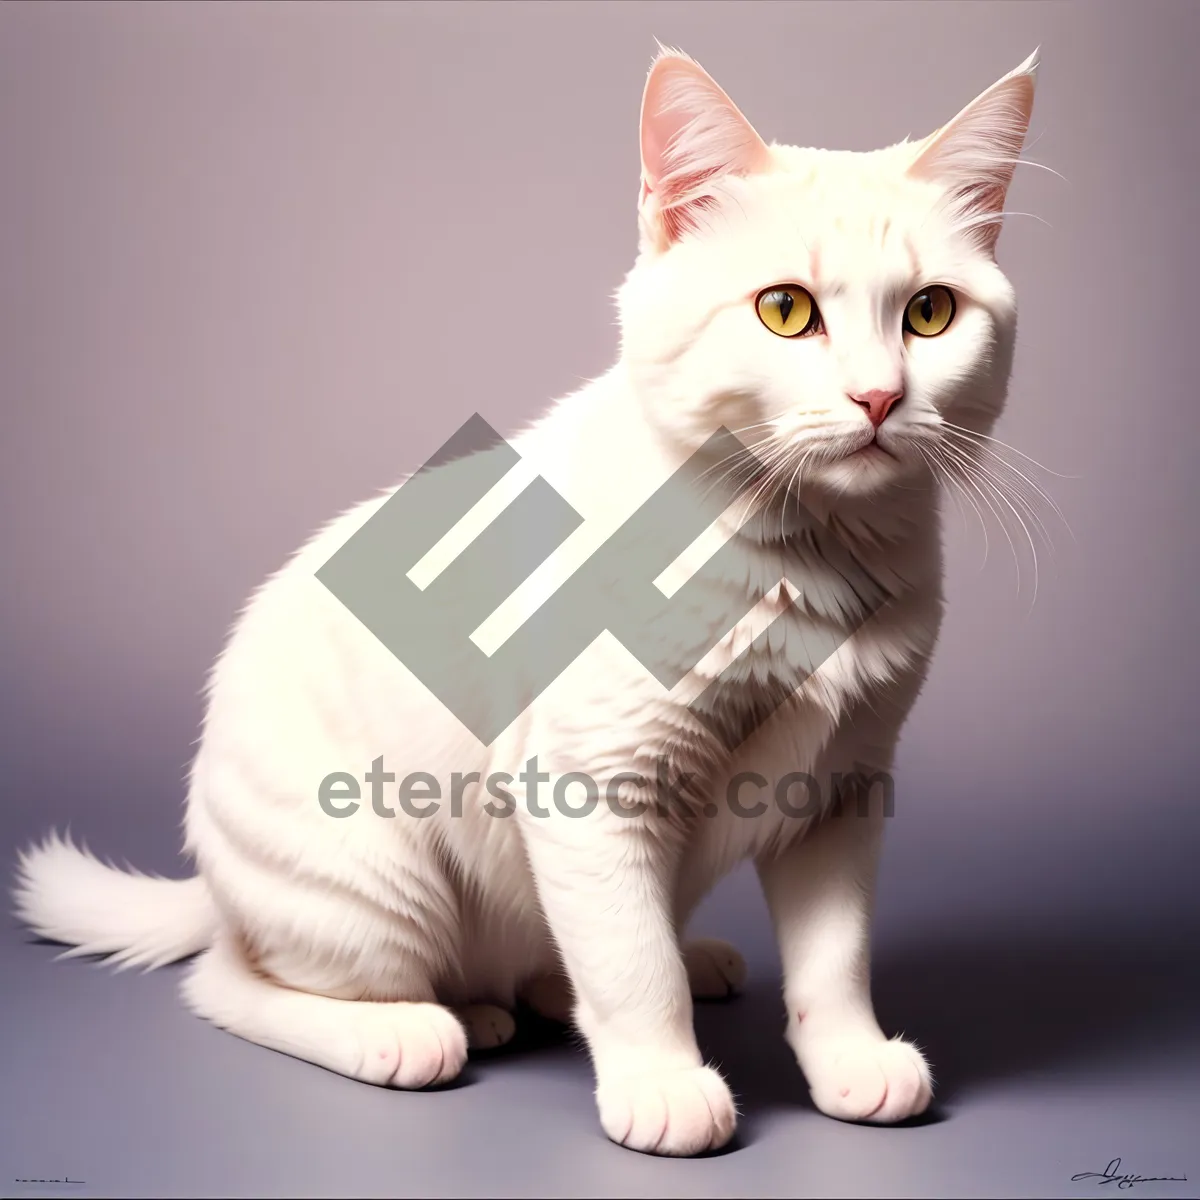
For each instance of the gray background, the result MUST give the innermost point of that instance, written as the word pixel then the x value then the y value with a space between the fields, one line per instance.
pixel 229 242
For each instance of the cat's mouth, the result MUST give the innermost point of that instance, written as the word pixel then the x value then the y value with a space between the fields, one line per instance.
pixel 871 451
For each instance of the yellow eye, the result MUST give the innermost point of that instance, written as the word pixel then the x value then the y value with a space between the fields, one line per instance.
pixel 788 311
pixel 930 311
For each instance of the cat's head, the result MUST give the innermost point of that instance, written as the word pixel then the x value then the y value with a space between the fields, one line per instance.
pixel 833 309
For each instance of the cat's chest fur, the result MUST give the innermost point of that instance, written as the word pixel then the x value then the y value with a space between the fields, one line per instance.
pixel 794 688
pixel 790 602
pixel 779 639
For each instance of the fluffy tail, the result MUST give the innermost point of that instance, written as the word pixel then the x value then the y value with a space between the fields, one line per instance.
pixel 64 893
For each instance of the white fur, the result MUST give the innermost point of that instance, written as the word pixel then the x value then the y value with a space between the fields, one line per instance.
pixel 348 942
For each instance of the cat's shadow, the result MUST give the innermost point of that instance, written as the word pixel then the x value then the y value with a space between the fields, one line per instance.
pixel 984 1008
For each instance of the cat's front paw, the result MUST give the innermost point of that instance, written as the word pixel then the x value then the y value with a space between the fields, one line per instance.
pixel 676 1112
pixel 867 1079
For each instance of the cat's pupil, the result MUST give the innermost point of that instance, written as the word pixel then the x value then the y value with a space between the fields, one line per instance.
pixel 926 309
pixel 786 304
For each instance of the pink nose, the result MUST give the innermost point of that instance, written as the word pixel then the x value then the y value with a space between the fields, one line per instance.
pixel 877 404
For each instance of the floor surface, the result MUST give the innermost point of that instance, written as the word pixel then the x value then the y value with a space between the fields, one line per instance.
pixel 1054 1057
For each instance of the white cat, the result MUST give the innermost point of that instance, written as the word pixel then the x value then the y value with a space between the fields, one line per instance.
pixel 843 314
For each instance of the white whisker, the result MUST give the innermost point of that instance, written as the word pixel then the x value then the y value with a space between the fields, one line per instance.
pixel 1024 487
pixel 940 476
pixel 1012 488
pixel 989 482
pixel 1006 446
pixel 1028 162
pixel 937 460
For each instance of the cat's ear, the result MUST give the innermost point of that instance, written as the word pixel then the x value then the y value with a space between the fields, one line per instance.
pixel 974 156
pixel 692 134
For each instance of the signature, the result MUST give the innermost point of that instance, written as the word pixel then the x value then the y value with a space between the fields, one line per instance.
pixel 1112 1174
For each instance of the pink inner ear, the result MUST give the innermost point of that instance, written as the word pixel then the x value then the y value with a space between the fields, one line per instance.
pixel 691 133
pixel 662 122
pixel 974 156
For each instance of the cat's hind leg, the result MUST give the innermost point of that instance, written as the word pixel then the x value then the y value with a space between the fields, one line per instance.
pixel 402 1044
pixel 488 1026
pixel 715 969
